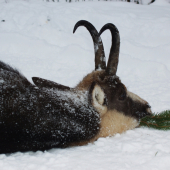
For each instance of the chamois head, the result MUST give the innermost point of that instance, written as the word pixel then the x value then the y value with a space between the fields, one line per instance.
pixel 118 108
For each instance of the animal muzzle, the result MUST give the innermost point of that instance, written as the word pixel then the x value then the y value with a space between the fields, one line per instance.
pixel 145 112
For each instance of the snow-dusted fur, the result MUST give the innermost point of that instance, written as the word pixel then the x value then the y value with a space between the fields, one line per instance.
pixel 117 115
pixel 34 119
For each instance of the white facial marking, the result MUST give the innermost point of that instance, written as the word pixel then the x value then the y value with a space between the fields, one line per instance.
pixel 135 97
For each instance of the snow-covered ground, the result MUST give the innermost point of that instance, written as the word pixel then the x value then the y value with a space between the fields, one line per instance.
pixel 36 37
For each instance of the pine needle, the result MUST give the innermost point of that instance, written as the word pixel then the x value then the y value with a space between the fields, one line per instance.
pixel 159 121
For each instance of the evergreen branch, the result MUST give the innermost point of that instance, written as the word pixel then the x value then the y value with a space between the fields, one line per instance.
pixel 159 121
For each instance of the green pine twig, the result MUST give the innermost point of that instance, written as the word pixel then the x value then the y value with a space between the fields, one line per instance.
pixel 159 121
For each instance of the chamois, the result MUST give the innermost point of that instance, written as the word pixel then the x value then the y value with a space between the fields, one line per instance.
pixel 49 115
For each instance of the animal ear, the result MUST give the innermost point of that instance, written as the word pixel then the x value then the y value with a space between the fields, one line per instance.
pixel 99 100
pixel 43 83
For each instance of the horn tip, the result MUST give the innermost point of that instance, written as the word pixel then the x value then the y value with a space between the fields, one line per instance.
pixel 75 27
pixel 79 23
pixel 74 30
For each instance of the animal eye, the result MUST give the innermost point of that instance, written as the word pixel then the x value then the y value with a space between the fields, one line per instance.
pixel 122 96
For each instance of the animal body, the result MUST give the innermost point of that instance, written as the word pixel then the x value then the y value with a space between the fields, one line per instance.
pixel 49 115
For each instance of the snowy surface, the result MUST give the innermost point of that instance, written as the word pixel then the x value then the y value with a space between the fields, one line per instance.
pixel 36 37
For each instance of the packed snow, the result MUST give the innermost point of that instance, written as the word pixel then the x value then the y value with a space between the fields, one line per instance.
pixel 36 38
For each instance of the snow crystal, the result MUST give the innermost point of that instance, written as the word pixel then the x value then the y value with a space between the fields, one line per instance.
pixel 96 47
pixel 1 81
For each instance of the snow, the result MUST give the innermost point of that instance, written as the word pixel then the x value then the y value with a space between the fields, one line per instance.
pixel 36 37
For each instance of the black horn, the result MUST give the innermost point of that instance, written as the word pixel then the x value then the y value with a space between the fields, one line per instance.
pixel 114 51
pixel 100 61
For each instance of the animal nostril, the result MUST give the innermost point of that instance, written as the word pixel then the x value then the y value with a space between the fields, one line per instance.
pixel 148 106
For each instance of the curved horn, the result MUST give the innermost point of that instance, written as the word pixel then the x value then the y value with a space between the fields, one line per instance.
pixel 114 51
pixel 100 61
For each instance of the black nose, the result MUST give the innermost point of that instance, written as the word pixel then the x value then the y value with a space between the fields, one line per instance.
pixel 148 106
